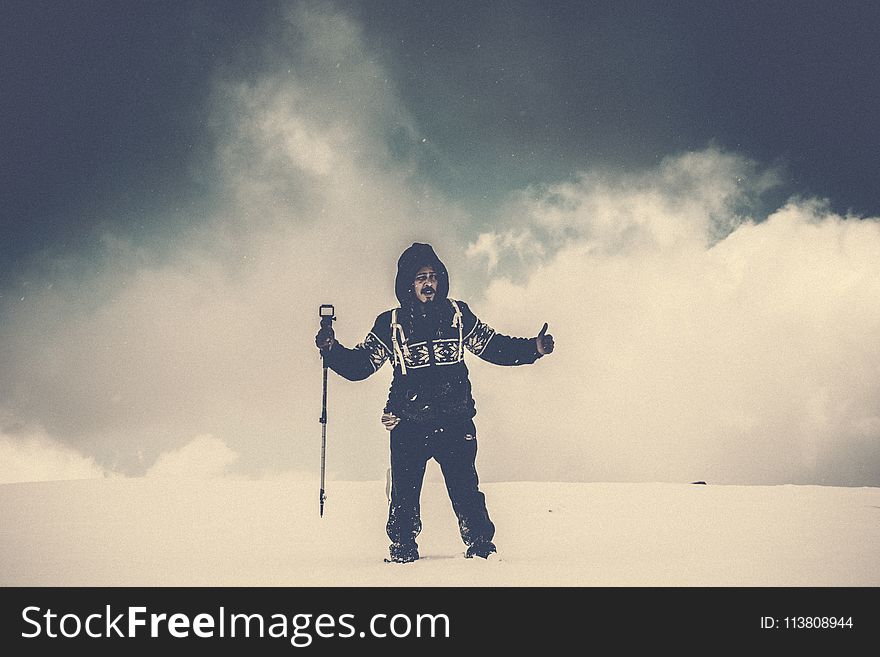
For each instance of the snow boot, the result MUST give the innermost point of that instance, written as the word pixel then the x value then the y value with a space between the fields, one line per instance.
pixel 482 550
pixel 403 553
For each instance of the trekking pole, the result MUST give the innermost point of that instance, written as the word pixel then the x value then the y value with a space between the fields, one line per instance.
pixel 325 312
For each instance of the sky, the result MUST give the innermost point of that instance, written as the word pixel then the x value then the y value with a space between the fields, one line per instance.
pixel 685 193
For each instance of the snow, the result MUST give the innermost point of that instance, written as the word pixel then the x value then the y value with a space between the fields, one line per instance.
pixel 168 531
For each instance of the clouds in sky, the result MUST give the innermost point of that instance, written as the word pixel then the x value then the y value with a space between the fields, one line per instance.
pixel 694 342
pixel 697 338
pixel 209 330
pixel 31 455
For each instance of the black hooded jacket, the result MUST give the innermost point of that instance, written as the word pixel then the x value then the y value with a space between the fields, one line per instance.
pixel 426 343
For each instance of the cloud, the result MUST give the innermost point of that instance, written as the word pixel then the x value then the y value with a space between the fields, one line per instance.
pixel 28 454
pixel 312 191
pixel 205 457
pixel 694 342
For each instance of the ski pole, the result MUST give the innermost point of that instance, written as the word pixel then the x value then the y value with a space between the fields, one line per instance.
pixel 325 312
pixel 323 420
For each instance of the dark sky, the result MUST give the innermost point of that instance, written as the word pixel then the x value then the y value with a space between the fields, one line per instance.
pixel 102 104
pixel 529 90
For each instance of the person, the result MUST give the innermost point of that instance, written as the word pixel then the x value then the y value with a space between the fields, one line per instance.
pixel 430 409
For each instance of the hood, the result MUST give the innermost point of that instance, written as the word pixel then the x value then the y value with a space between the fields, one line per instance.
pixel 414 258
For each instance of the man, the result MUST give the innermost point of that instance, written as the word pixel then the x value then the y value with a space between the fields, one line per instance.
pixel 430 409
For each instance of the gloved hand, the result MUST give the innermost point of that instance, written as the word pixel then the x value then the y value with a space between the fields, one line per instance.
pixel 390 420
pixel 325 338
pixel 544 342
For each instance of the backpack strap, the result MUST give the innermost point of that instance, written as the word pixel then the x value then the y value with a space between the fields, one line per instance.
pixel 457 320
pixel 398 341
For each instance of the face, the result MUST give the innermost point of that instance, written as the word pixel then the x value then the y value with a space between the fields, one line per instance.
pixel 425 284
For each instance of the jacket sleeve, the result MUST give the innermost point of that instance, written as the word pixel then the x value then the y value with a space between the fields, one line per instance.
pixel 361 361
pixel 493 347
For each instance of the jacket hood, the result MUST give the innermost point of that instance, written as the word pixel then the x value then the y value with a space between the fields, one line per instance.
pixel 414 258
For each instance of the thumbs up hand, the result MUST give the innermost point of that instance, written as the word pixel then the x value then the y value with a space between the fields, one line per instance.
pixel 544 342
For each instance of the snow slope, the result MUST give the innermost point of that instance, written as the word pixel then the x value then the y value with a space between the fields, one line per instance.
pixel 226 532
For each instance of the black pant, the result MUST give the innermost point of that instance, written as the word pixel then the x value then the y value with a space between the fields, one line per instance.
pixel 454 447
